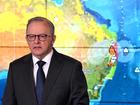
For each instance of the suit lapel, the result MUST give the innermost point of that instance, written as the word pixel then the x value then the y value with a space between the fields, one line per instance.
pixel 30 79
pixel 54 70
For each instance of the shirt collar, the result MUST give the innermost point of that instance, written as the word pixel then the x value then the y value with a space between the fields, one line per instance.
pixel 46 59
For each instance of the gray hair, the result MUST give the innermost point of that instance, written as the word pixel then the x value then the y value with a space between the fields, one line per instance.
pixel 42 19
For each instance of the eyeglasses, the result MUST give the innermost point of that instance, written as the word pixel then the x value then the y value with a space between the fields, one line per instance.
pixel 41 37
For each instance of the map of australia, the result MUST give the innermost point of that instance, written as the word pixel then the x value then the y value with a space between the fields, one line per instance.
pixel 102 34
pixel 86 32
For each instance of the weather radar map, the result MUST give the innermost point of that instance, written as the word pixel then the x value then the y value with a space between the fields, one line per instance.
pixel 103 34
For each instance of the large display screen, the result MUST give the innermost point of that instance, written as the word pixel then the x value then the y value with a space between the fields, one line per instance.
pixel 103 34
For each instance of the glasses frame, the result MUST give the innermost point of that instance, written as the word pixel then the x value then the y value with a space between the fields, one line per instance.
pixel 40 37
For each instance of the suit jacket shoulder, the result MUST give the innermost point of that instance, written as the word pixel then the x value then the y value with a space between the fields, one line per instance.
pixel 22 59
pixel 66 59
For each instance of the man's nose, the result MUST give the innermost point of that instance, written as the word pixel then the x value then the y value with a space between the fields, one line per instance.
pixel 36 39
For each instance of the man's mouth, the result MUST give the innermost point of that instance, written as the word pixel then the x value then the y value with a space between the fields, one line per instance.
pixel 36 47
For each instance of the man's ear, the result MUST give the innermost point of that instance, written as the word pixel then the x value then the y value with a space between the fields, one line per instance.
pixel 53 38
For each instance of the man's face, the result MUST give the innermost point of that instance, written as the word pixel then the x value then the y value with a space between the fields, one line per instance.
pixel 39 48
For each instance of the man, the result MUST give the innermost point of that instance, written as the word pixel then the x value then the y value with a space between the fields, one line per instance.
pixel 64 82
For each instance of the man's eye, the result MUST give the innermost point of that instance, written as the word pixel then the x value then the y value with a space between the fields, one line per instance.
pixel 43 36
pixel 31 36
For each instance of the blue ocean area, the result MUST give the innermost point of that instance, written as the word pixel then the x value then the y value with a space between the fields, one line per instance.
pixel 123 18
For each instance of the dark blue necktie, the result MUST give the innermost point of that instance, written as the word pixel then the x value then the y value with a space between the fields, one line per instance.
pixel 40 82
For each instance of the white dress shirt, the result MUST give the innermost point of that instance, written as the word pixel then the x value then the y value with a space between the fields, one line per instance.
pixel 46 59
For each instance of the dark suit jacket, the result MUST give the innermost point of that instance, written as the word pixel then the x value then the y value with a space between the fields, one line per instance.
pixel 65 83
